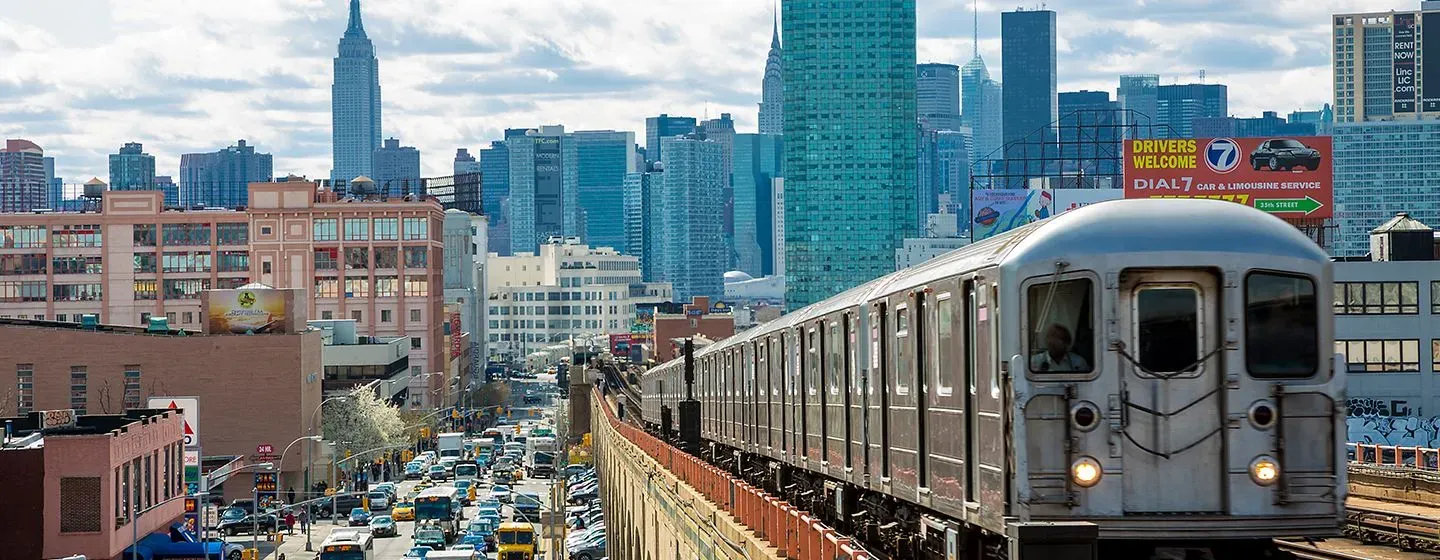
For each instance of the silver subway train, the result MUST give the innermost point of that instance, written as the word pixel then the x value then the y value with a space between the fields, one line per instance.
pixel 1159 368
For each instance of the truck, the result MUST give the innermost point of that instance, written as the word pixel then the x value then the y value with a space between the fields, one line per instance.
pixel 542 464
pixel 178 542
pixel 451 444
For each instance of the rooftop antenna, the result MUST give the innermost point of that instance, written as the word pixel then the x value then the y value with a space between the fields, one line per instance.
pixel 1202 75
pixel 975 29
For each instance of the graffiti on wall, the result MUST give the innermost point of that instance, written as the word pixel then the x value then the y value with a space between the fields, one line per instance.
pixel 1390 422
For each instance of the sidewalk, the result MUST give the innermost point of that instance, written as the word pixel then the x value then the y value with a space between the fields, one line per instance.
pixel 293 546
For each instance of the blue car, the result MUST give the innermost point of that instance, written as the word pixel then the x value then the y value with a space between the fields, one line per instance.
pixel 418 552
pixel 359 517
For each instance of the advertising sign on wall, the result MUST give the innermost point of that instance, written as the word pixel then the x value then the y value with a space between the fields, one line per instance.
pixel 1402 42
pixel 1286 176
pixel 247 311
pixel 1071 199
pixel 996 211
pixel 455 335
pixel 189 408
pixel 620 344
pixel 1430 73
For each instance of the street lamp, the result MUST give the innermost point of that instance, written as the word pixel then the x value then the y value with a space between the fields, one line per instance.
pixel 281 470
pixel 309 451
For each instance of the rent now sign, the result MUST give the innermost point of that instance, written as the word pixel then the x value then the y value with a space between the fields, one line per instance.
pixel 1287 176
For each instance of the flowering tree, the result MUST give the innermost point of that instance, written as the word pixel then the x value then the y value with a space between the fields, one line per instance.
pixel 363 420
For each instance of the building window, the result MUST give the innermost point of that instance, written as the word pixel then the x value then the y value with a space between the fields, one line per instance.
pixel 265 231
pixel 79 504
pixel 20 265
pixel 327 288
pixel 414 315
pixel 357 229
pixel 189 317
pixel 386 286
pixel 145 262
pixel 417 229
pixel 266 267
pixel 233 261
pixel 327 258
pixel 417 286
pixel 415 257
pixel 327 315
pixel 384 315
pixel 79 391
pixel 185 289
pixel 232 234
pixel 1378 298
pixel 357 257
pixel 25 387
pixel 1371 356
pixel 77 292
pixel 230 283
pixel 22 237
pixel 15 292
pixel 132 386
pixel 145 290
pixel 357 287
pixel 414 343
pixel 70 265
pixel 386 257
pixel 186 262
pixel 75 235
pixel 185 234
pixel 325 229
pixel 355 315
pixel 387 229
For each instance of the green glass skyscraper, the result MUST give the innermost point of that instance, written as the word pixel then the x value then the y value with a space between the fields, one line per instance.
pixel 850 142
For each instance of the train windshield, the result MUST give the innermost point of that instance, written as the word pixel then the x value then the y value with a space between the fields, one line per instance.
pixel 1062 327
pixel 1281 326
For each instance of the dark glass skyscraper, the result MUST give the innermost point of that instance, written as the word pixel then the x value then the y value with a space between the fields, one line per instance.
pixel 222 179
pixel 397 169
pixel 664 126
pixel 850 144
pixel 1179 105
pixel 132 169
pixel 937 96
pixel 605 157
pixel 1028 70
pixel 354 104
pixel 757 159
pixel 495 178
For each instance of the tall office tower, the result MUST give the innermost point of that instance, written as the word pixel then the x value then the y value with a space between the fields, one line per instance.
pixel 544 187
pixel 1382 67
pixel 166 184
pixel 56 189
pixel 1090 136
pixel 943 173
pixel 937 96
pixel 22 177
pixel 1030 97
pixel 1179 105
pixel 465 163
pixel 772 90
pixel 1140 95
pixel 757 160
pixel 849 166
pixel 694 251
pixel 777 217
pixel 397 169
pixel 132 169
pixel 661 127
pixel 354 105
pixel 222 179
pixel 605 157
pixel 981 112
pixel 1323 119
pixel 495 193
pixel 643 212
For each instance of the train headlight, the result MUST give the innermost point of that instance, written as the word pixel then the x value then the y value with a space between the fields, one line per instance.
pixel 1264 470
pixel 1086 472
pixel 1084 416
pixel 1262 414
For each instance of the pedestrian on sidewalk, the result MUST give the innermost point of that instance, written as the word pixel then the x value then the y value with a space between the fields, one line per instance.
pixel 290 496
pixel 289 522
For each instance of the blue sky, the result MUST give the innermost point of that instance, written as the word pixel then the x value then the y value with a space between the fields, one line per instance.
pixel 82 77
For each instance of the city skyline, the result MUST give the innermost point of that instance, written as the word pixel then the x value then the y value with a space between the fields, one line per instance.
pixel 457 75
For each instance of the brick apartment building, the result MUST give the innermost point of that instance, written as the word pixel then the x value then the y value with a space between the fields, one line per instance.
pixel 377 261
pixel 698 318
pixel 73 489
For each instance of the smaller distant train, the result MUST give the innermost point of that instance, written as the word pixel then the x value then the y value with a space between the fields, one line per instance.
pixel 1161 369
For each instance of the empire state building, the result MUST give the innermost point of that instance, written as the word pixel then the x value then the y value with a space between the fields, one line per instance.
pixel 354 105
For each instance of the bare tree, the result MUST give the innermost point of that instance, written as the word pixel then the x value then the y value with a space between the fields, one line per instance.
pixel 10 406
pixel 106 397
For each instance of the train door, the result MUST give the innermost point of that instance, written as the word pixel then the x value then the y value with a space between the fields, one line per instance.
pixel 945 409
pixel 795 395
pixel 1172 388
pixel 836 397
pixel 902 433
pixel 987 480
pixel 814 395
pixel 777 404
pixel 873 380
pixel 856 402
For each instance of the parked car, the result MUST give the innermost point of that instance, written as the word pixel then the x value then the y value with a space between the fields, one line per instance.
pixel 267 522
pixel 384 526
pixel 1284 154
pixel 359 517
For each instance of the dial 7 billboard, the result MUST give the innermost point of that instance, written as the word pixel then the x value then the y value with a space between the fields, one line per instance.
pixel 1289 176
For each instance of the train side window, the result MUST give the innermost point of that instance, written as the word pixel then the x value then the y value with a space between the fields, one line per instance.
pixel 1062 327
pixel 834 359
pixel 944 341
pixel 812 359
pixel 901 328
pixel 1282 334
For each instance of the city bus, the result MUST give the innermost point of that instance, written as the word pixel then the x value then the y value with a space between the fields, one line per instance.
pixel 348 544
pixel 438 506
pixel 516 540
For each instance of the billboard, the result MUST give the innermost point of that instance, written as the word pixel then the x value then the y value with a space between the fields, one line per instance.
pixel 1071 199
pixel 190 411
pixel 1402 53
pixel 620 344
pixel 247 311
pixel 996 211
pixel 1286 176
pixel 1430 52
pixel 455 335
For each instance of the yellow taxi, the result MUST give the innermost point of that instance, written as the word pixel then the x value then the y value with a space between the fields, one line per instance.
pixel 403 511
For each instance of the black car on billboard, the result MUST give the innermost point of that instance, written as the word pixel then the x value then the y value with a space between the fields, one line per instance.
pixel 1284 154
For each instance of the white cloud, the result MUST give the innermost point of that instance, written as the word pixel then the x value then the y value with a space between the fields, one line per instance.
pixel 187 76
